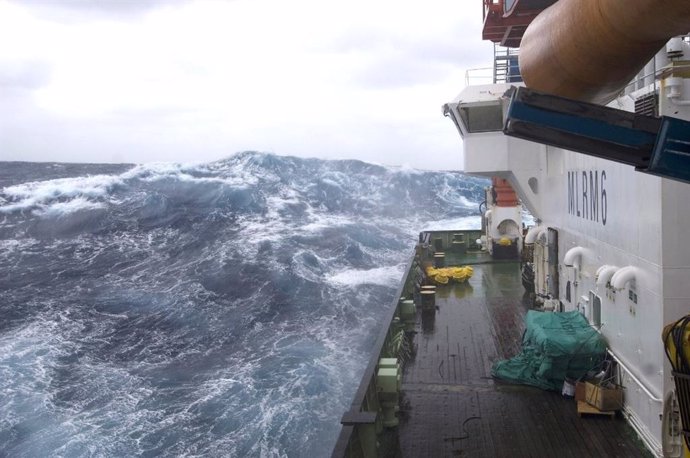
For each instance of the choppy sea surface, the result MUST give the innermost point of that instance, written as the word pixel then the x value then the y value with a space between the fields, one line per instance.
pixel 218 309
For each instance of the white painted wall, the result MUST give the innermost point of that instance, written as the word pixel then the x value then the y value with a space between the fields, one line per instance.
pixel 638 220
pixel 624 228
pixel 516 160
pixel 630 234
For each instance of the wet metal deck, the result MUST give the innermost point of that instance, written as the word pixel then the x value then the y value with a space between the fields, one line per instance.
pixel 452 407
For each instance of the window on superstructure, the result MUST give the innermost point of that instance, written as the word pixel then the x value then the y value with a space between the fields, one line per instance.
pixel 482 118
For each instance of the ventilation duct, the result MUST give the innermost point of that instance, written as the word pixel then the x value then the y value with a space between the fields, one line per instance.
pixel 573 256
pixel 604 274
pixel 627 274
pixel 534 233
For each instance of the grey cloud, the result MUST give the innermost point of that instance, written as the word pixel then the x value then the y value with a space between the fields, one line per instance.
pixel 355 40
pixel 414 58
pixel 420 63
pixel 28 133
pixel 454 51
pixel 397 70
pixel 24 74
pixel 70 11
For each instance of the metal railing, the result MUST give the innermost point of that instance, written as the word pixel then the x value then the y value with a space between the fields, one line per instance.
pixel 623 365
pixel 506 69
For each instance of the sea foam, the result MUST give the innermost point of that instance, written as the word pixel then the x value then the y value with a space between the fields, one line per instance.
pixel 220 309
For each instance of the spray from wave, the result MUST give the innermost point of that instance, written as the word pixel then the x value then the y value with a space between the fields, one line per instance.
pixel 221 309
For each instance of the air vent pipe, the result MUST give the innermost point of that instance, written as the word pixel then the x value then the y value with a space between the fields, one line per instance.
pixel 534 233
pixel 627 274
pixel 604 274
pixel 573 257
pixel 588 50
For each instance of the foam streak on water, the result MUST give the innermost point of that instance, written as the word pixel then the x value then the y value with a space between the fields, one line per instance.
pixel 222 309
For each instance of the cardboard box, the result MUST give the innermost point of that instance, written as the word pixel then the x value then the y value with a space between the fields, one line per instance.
pixel 580 391
pixel 604 398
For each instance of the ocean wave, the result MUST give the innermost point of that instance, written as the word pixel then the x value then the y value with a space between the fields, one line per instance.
pixel 217 309
pixel 384 276
pixel 466 222
pixel 41 195
pixel 59 209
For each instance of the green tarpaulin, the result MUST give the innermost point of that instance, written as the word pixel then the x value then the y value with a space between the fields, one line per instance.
pixel 555 346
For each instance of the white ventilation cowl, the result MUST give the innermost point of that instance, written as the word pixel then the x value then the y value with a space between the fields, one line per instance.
pixel 627 274
pixel 534 233
pixel 573 257
pixel 604 274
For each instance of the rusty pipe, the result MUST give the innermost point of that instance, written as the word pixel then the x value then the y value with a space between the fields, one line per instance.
pixel 590 50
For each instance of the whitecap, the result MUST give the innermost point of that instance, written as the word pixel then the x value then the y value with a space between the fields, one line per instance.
pixel 462 223
pixel 467 202
pixel 384 276
pixel 405 169
pixel 38 194
pixel 63 208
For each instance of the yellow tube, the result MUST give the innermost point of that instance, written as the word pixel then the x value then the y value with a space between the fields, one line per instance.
pixel 590 49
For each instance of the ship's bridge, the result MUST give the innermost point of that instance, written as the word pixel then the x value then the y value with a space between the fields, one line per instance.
pixel 479 115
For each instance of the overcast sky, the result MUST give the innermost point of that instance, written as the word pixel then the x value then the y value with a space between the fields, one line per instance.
pixel 140 81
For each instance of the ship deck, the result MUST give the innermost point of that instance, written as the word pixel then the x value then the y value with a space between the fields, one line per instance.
pixel 452 407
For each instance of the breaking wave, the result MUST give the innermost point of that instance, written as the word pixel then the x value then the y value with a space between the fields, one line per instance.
pixel 218 309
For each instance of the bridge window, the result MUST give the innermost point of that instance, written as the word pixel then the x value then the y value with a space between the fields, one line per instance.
pixel 482 118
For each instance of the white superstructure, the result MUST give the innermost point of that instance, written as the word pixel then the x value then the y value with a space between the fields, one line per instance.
pixel 611 242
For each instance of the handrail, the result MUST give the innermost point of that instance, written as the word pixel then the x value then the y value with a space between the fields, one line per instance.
pixel 488 78
pixel 620 362
pixel 657 74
